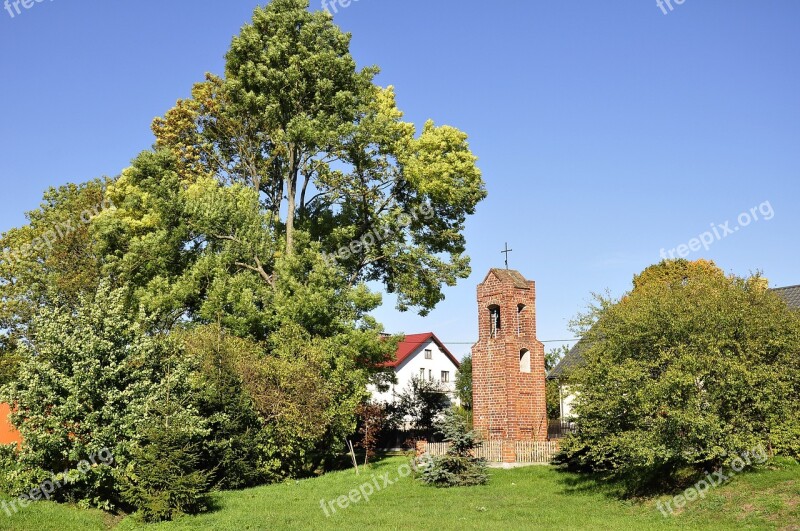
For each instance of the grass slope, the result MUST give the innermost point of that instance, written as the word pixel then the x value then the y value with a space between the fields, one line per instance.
pixel 526 498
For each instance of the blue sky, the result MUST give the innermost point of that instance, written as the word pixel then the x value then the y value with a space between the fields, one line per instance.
pixel 606 130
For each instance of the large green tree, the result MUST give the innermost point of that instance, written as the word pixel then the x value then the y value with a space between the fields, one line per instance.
pixel 686 371
pixel 327 153
pixel 228 227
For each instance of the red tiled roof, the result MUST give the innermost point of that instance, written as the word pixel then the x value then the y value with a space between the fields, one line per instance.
pixel 412 343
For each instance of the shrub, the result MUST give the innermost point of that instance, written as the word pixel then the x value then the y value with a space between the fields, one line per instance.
pixel 688 369
pixel 464 383
pixel 372 419
pixel 234 447
pixel 162 476
pixel 85 378
pixel 458 468
pixel 162 479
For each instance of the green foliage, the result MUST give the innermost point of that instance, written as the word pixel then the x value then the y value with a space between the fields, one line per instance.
pixel 465 414
pixel 459 467
pixel 687 370
pixel 553 399
pixel 233 449
pixel 10 360
pixel 49 261
pixel 554 355
pixel 464 383
pixel 307 391
pixel 552 387
pixel 163 478
pixel 418 406
pixel 198 268
pixel 671 272
pixel 82 388
pixel 323 136
pixel 91 381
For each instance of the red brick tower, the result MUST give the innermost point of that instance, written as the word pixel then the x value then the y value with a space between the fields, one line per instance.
pixel 508 376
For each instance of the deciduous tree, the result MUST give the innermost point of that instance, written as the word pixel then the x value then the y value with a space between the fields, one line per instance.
pixel 688 369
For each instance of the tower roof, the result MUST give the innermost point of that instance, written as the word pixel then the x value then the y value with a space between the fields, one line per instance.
pixel 509 275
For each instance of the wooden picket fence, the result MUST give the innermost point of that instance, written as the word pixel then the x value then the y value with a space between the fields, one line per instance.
pixel 492 451
pixel 439 448
pixel 536 452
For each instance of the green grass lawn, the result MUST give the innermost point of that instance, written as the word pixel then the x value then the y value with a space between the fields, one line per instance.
pixel 524 498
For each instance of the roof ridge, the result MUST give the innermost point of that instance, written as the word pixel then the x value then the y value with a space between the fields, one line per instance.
pixel 406 348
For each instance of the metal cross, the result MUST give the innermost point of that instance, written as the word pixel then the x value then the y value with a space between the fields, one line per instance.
pixel 506 253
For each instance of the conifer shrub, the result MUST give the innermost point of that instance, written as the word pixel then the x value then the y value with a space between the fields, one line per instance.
pixel 458 467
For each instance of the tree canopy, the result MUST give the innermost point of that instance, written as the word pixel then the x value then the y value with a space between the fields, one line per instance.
pixel 326 153
pixel 689 368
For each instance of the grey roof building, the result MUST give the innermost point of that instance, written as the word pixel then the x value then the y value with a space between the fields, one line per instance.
pixel 791 295
pixel 574 357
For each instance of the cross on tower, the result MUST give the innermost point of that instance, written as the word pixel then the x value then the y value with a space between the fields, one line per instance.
pixel 506 253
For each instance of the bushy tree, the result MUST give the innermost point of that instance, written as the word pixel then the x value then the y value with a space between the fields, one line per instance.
pixel 233 451
pixel 418 406
pixel 553 356
pixel 687 370
pixel 306 390
pixel 82 387
pixel 458 467
pixel 325 151
pixel 553 387
pixel 464 383
pixel 164 478
pixel 553 399
pixel 227 228
pixel 372 421
pixel 48 262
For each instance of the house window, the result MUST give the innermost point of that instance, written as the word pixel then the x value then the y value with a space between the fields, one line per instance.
pixel 494 320
pixel 428 354
pixel 445 377
pixel 520 308
pixel 525 360
pixel 430 375
pixel 422 374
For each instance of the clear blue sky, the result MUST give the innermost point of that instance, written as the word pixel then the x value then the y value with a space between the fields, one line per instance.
pixel 606 130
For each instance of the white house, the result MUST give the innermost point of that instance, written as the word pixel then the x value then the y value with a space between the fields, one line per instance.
pixel 420 355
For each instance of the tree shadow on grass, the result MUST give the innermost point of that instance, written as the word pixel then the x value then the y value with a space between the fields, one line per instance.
pixel 590 483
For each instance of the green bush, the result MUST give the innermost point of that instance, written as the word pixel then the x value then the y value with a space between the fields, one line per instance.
pixel 163 479
pixel 82 387
pixel 458 468
pixel 420 403
pixel 688 369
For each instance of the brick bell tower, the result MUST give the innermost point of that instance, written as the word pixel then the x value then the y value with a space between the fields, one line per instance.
pixel 508 375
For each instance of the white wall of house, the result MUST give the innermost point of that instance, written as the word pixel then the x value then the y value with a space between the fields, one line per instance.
pixel 417 364
pixel 567 398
